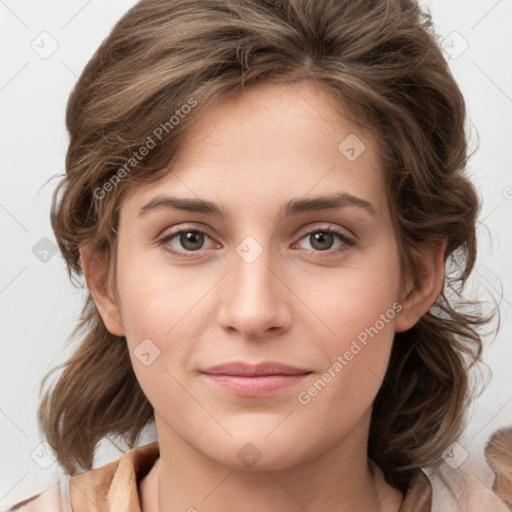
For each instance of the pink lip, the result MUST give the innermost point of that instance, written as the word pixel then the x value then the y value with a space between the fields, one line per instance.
pixel 262 379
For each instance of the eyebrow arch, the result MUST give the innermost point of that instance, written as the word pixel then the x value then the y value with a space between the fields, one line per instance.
pixel 292 207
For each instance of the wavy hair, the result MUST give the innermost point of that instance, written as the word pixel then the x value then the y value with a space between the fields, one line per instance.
pixel 498 453
pixel 381 61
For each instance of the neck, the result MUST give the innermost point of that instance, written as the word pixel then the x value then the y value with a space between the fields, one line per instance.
pixel 341 479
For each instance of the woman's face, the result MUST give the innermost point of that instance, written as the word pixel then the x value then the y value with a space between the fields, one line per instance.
pixel 256 277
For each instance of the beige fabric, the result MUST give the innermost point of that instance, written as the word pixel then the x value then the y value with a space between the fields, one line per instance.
pixel 114 487
pixel 54 499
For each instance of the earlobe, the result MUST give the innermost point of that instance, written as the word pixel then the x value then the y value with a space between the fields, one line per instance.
pixel 96 274
pixel 430 264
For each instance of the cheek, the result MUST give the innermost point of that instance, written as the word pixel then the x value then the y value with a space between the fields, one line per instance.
pixel 158 342
pixel 359 309
pixel 161 312
pixel 350 300
pixel 156 297
pixel 357 362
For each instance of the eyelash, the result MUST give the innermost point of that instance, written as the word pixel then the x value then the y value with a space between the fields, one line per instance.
pixel 348 243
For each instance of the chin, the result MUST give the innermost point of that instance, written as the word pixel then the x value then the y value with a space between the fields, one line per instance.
pixel 259 453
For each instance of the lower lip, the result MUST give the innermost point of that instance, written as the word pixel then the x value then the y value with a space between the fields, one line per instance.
pixel 256 386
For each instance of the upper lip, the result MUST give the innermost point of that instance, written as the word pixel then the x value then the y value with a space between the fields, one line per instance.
pixel 242 369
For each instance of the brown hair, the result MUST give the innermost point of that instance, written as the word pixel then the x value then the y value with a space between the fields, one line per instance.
pixel 381 61
pixel 498 453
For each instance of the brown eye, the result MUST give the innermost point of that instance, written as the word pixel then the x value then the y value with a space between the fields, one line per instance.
pixel 191 240
pixel 324 240
pixel 321 240
pixel 186 240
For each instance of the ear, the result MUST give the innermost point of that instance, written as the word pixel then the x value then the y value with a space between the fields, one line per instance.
pixel 429 262
pixel 96 271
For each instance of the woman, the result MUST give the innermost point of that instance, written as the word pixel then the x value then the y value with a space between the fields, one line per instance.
pixel 263 198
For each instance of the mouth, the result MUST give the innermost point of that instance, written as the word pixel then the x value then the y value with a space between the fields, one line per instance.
pixel 263 379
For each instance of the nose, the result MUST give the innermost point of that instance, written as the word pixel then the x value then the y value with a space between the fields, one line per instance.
pixel 255 299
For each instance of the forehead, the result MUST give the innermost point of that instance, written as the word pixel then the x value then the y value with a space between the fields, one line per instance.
pixel 271 143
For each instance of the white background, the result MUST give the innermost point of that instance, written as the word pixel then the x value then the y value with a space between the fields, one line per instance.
pixel 39 306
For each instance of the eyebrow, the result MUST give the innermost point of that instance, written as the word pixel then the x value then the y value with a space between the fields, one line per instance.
pixel 292 207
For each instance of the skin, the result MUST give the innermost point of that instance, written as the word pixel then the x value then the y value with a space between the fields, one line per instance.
pixel 296 304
